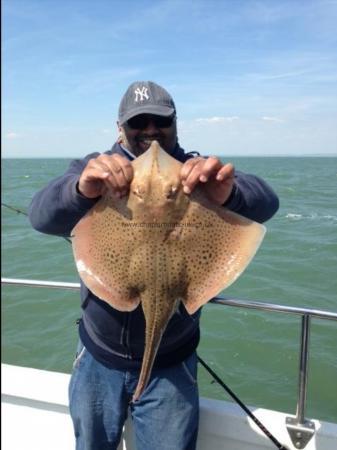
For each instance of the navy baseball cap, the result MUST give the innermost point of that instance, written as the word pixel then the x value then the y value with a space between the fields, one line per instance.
pixel 145 97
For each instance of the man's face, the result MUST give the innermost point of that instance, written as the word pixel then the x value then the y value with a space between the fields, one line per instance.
pixel 139 132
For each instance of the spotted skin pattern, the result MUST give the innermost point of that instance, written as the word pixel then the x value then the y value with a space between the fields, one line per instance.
pixel 161 247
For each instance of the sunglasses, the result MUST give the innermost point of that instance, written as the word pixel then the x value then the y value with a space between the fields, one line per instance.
pixel 143 120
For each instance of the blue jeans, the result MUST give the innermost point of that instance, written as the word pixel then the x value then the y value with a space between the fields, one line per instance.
pixel 164 418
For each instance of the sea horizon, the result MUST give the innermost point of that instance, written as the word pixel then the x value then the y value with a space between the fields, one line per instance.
pixel 314 155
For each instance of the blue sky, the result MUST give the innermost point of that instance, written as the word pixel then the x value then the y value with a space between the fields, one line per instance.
pixel 248 77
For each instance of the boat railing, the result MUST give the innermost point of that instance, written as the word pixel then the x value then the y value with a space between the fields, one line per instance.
pixel 300 429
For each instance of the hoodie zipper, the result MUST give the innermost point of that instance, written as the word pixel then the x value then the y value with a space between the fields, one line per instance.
pixel 125 335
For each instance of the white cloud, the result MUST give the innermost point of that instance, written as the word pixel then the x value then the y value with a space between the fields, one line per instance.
pixel 272 119
pixel 12 135
pixel 217 119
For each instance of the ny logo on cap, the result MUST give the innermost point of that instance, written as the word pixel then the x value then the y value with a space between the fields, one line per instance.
pixel 141 94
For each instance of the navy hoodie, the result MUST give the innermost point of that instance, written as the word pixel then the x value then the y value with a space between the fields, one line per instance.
pixel 116 338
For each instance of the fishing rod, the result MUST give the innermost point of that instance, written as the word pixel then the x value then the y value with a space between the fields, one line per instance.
pixel 19 211
pixel 14 209
pixel 209 370
pixel 242 405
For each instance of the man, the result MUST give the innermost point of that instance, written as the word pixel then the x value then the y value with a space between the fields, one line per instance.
pixel 111 347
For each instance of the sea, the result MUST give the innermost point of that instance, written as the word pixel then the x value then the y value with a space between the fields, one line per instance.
pixel 255 353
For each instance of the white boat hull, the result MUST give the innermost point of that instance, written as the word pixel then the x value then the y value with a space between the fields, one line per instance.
pixel 35 416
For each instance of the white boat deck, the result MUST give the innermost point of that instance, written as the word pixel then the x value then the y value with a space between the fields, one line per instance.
pixel 35 417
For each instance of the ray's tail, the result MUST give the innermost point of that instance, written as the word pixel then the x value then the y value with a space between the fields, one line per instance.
pixel 154 334
pixel 157 315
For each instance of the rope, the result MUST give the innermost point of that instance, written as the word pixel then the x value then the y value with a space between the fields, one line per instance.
pixel 243 406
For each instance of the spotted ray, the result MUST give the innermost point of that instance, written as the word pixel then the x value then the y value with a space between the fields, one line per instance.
pixel 159 247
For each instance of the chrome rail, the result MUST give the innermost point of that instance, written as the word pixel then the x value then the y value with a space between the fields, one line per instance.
pixel 300 429
pixel 272 307
pixel 41 283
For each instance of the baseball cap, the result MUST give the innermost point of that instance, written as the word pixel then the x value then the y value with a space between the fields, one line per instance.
pixel 145 97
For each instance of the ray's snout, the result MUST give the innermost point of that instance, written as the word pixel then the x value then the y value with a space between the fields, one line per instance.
pixel 155 187
pixel 156 160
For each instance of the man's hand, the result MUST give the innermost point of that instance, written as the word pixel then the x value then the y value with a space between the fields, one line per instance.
pixel 106 172
pixel 218 179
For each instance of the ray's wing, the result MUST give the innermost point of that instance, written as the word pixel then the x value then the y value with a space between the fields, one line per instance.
pixel 102 242
pixel 217 245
